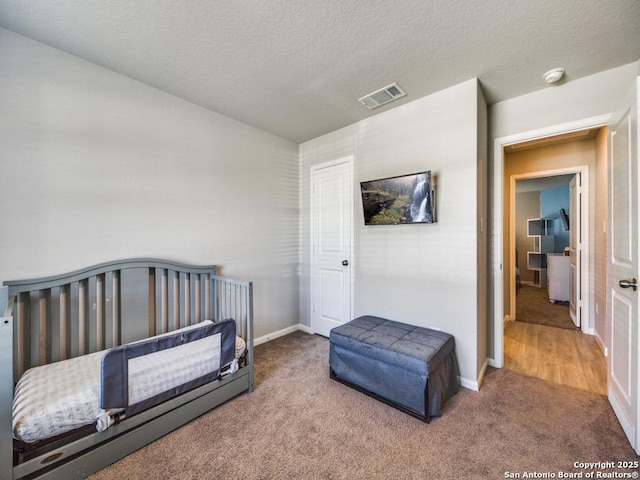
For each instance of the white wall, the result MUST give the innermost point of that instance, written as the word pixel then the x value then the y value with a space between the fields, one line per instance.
pixel 424 275
pixel 97 167
pixel 570 103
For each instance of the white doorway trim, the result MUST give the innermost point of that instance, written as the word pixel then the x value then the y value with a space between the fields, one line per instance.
pixel 586 324
pixel 497 214
pixel 314 267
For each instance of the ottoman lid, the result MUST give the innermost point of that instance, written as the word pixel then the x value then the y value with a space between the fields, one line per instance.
pixel 395 342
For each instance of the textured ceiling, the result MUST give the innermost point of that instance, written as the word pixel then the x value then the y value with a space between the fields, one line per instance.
pixel 296 68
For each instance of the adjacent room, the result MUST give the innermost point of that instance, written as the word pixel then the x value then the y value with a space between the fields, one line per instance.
pixel 319 239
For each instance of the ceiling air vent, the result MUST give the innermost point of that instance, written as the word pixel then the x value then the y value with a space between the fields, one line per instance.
pixel 382 96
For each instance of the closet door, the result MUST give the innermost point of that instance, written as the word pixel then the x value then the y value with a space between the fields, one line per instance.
pixel 331 250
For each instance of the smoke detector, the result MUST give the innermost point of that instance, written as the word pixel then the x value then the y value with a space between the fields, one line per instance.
pixel 383 96
pixel 553 75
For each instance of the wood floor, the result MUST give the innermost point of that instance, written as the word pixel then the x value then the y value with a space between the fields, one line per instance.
pixel 567 357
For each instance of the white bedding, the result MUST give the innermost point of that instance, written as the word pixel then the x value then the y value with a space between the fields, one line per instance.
pixel 57 398
pixel 53 399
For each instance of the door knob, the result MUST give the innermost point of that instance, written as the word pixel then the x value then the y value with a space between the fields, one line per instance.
pixel 629 284
pixel 346 263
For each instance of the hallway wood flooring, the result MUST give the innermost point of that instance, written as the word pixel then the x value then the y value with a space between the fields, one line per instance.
pixel 557 355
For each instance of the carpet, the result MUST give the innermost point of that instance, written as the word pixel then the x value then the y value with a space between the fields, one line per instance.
pixel 300 424
pixel 533 306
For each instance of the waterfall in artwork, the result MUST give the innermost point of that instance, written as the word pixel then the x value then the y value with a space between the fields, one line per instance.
pixel 421 205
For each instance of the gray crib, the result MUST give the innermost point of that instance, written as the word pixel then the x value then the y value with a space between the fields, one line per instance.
pixel 66 316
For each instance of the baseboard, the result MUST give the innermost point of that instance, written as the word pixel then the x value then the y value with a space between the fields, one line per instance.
pixel 475 384
pixel 625 421
pixel 272 336
pixel 601 344
pixel 482 373
pixel 305 329
pixel 280 333
pixel 470 384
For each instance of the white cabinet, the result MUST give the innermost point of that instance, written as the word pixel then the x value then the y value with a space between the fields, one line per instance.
pixel 541 230
pixel 558 269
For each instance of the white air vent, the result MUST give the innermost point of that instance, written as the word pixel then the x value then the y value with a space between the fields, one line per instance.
pixel 382 96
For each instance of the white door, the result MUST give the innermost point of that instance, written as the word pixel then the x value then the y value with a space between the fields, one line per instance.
pixel 331 214
pixel 622 296
pixel 575 249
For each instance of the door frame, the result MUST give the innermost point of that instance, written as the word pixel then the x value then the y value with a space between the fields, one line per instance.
pixel 312 219
pixel 497 216
pixel 585 273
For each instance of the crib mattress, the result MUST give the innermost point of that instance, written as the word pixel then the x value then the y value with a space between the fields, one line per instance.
pixel 57 398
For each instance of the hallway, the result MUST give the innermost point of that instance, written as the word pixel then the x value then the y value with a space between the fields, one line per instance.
pixel 558 355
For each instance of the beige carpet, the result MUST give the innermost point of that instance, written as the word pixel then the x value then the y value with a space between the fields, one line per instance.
pixel 299 424
pixel 533 306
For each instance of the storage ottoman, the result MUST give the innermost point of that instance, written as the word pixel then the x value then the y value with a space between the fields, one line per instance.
pixel 411 368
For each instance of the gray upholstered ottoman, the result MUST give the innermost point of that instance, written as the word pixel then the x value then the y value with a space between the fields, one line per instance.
pixel 411 368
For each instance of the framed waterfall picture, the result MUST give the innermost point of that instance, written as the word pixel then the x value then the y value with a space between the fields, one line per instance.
pixel 405 199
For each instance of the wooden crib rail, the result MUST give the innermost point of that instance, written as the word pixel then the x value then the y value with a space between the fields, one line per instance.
pixel 91 309
pixel 234 299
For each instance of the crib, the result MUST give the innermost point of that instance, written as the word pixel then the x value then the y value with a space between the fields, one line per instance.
pixel 113 315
